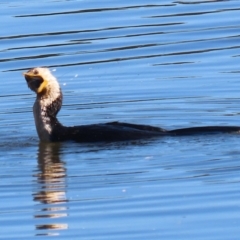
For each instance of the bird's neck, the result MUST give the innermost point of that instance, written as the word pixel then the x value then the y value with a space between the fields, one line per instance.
pixel 45 109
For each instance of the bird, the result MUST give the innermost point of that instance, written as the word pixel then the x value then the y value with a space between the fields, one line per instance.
pixel 48 103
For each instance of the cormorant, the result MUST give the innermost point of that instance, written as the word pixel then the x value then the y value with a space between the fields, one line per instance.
pixel 49 101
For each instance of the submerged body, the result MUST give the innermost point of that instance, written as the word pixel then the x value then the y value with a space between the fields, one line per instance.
pixel 49 129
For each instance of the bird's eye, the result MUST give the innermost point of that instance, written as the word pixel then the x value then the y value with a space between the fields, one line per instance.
pixel 35 71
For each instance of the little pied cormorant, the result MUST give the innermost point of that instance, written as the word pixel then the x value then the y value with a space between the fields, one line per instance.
pixel 49 129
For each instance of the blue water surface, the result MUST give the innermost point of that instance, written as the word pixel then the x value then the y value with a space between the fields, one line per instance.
pixel 164 63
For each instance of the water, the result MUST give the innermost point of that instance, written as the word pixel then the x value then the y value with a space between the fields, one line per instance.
pixel 165 63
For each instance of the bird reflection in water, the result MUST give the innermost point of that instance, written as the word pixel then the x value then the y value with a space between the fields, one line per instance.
pixel 51 189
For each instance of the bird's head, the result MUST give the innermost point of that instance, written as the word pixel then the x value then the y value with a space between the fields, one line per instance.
pixel 41 81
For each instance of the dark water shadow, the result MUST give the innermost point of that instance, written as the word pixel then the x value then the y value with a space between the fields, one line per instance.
pixel 50 193
pixel 51 190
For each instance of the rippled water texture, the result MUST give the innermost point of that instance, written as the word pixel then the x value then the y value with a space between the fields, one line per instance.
pixel 165 63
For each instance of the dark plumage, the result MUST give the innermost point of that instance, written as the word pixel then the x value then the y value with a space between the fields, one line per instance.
pixel 109 132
